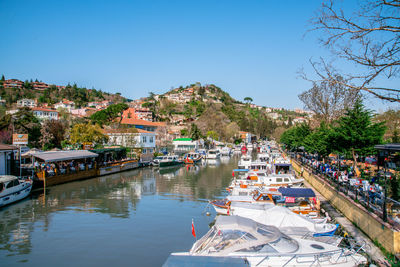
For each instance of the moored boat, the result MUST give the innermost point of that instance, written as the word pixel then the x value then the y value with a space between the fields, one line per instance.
pixel 234 237
pixel 172 160
pixel 13 189
pixel 192 158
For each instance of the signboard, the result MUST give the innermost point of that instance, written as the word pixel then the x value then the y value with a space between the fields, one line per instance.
pixel 87 146
pixel 20 139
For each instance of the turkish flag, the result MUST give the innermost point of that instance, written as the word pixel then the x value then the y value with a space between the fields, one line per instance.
pixel 193 231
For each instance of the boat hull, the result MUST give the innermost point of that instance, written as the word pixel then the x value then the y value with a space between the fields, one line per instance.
pixel 17 195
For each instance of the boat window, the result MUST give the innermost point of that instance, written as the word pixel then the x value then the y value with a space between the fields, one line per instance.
pixel 285 244
pixel 286 179
pixel 10 184
pixel 279 180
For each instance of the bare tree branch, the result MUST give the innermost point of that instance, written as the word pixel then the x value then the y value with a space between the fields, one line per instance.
pixel 369 38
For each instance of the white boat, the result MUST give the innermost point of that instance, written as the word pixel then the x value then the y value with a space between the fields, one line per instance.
pixel 286 220
pixel 213 154
pixel 263 179
pixel 244 162
pixel 12 189
pixel 225 151
pixel 234 238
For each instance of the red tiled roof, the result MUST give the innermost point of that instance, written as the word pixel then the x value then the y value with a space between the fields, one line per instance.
pixel 44 109
pixel 134 121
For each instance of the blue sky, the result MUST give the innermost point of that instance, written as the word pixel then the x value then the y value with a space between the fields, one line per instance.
pixel 248 48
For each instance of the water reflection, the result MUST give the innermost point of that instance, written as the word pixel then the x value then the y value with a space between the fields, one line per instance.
pixel 118 197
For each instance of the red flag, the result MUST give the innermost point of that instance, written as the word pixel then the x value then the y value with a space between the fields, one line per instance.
pixel 193 231
pixel 228 211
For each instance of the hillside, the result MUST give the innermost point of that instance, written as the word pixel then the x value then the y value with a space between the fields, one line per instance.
pixel 53 94
pixel 208 108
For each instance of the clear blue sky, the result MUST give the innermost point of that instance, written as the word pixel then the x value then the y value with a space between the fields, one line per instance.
pixel 248 48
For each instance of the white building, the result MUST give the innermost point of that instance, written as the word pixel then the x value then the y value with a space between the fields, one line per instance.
pixel 145 140
pixel 30 103
pixel 183 145
pixel 45 113
pixel 65 104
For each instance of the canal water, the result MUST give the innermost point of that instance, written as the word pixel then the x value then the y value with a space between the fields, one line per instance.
pixel 135 218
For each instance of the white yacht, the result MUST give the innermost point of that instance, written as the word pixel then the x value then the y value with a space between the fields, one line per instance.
pixel 288 222
pixel 12 189
pixel 245 162
pixel 238 241
pixel 225 151
pixel 213 154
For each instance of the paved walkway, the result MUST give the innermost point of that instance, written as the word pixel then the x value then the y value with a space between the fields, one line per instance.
pixel 373 251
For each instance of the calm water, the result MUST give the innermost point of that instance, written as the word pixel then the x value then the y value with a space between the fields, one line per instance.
pixel 134 218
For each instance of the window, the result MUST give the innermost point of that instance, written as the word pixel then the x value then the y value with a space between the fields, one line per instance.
pixel 144 151
pixel 151 139
pixel 144 139
pixel 150 150
pixel 279 180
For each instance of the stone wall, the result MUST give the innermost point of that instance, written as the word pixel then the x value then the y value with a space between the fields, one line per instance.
pixel 368 222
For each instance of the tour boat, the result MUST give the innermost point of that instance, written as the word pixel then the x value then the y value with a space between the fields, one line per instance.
pixel 213 154
pixel 192 158
pixel 238 241
pixel 171 160
pixel 13 189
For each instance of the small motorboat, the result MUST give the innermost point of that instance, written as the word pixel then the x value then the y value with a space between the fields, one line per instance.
pixel 167 161
pixel 213 154
pixel 192 158
pixel 13 189
pixel 238 241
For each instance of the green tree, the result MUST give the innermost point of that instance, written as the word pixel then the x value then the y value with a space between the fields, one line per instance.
pixel 195 132
pixel 248 99
pixel 87 133
pixel 2 78
pixel 319 141
pixel 295 137
pixel 213 135
pixel 356 133
pixel 109 114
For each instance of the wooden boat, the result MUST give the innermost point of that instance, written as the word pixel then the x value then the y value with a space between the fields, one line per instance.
pixel 167 161
pixel 192 158
pixel 13 189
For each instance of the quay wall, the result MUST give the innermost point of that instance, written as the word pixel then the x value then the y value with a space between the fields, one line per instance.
pixel 371 224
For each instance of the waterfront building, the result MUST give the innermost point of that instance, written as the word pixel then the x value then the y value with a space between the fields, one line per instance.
pixel 30 103
pixel 183 145
pixel 7 153
pixel 142 139
pixel 142 124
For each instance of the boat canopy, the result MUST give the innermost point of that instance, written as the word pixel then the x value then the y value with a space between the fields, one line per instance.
pixel 7 178
pixel 53 156
pixel 283 164
pixel 296 192
pixel 241 170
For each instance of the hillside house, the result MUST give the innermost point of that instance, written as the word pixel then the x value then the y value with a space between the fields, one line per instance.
pixel 30 103
pixel 138 113
pixel 13 83
pixel 40 86
pixel 65 104
pixel 45 113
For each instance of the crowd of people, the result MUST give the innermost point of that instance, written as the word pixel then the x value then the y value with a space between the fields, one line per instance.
pixel 346 178
pixel 62 167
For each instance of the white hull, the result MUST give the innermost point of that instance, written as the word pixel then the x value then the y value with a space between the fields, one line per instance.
pixel 21 193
